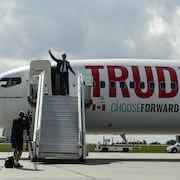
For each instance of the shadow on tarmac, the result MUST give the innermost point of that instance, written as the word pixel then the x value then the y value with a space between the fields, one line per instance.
pixel 28 169
pixel 95 161
pixel 104 161
pixel 109 161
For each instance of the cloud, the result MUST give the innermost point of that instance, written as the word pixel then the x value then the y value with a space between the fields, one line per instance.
pixel 157 26
pixel 89 29
pixel 7 64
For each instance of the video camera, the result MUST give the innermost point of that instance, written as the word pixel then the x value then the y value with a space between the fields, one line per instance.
pixel 27 119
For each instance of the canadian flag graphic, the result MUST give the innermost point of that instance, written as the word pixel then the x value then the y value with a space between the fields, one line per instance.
pixel 101 107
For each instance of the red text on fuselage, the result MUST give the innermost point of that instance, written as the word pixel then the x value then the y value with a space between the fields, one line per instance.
pixel 161 73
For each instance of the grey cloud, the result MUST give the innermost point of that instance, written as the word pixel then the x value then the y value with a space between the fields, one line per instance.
pixel 88 29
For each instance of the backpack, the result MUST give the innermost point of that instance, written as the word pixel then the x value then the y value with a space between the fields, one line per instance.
pixel 9 162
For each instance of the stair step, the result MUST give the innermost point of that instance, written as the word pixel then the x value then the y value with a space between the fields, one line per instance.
pixel 59 129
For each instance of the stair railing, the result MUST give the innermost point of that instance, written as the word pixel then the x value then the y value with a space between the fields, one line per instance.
pixel 81 116
pixel 39 103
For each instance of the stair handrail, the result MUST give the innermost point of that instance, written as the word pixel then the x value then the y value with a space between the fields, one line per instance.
pixel 79 101
pixel 81 113
pixel 39 103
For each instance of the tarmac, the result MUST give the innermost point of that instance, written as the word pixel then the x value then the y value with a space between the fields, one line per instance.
pixel 98 166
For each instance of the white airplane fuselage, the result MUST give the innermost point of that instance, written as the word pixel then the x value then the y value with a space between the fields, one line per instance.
pixel 129 96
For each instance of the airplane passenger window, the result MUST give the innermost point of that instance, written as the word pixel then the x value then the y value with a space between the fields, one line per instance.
pixel 122 84
pixel 102 84
pixel 162 85
pixel 173 85
pixel 142 85
pixel 8 82
pixel 112 84
pixel 132 84
pixel 151 85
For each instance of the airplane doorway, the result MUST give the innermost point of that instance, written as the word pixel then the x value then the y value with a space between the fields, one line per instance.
pixel 55 80
pixel 59 86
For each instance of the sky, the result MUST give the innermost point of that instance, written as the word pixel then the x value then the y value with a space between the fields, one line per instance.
pixel 146 29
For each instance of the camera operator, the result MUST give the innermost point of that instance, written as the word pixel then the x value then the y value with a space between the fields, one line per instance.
pixel 19 125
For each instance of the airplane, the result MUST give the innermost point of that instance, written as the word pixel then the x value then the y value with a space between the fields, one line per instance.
pixel 129 96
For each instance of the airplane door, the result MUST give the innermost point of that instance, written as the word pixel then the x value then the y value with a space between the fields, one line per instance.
pixel 36 67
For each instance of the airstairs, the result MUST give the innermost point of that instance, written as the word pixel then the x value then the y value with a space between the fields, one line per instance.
pixel 59 121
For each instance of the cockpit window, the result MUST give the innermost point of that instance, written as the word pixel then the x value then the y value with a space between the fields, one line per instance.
pixel 8 82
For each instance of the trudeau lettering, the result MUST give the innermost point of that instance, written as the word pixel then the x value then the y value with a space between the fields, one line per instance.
pixel 117 74
pixel 96 79
pixel 161 78
pixel 114 78
pixel 137 79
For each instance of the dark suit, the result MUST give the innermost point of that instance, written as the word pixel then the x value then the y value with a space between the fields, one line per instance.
pixel 64 75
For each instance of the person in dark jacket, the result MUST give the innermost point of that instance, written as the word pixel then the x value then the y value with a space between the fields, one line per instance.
pixel 63 66
pixel 18 128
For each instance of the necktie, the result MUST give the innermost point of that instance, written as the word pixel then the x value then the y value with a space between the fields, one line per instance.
pixel 62 67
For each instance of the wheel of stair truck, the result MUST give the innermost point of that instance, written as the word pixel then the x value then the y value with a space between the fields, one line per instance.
pixel 81 159
pixel 31 158
pixel 125 149
pixel 105 149
pixel 35 159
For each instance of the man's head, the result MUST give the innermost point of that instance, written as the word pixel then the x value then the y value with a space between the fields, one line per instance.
pixel 21 114
pixel 64 56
